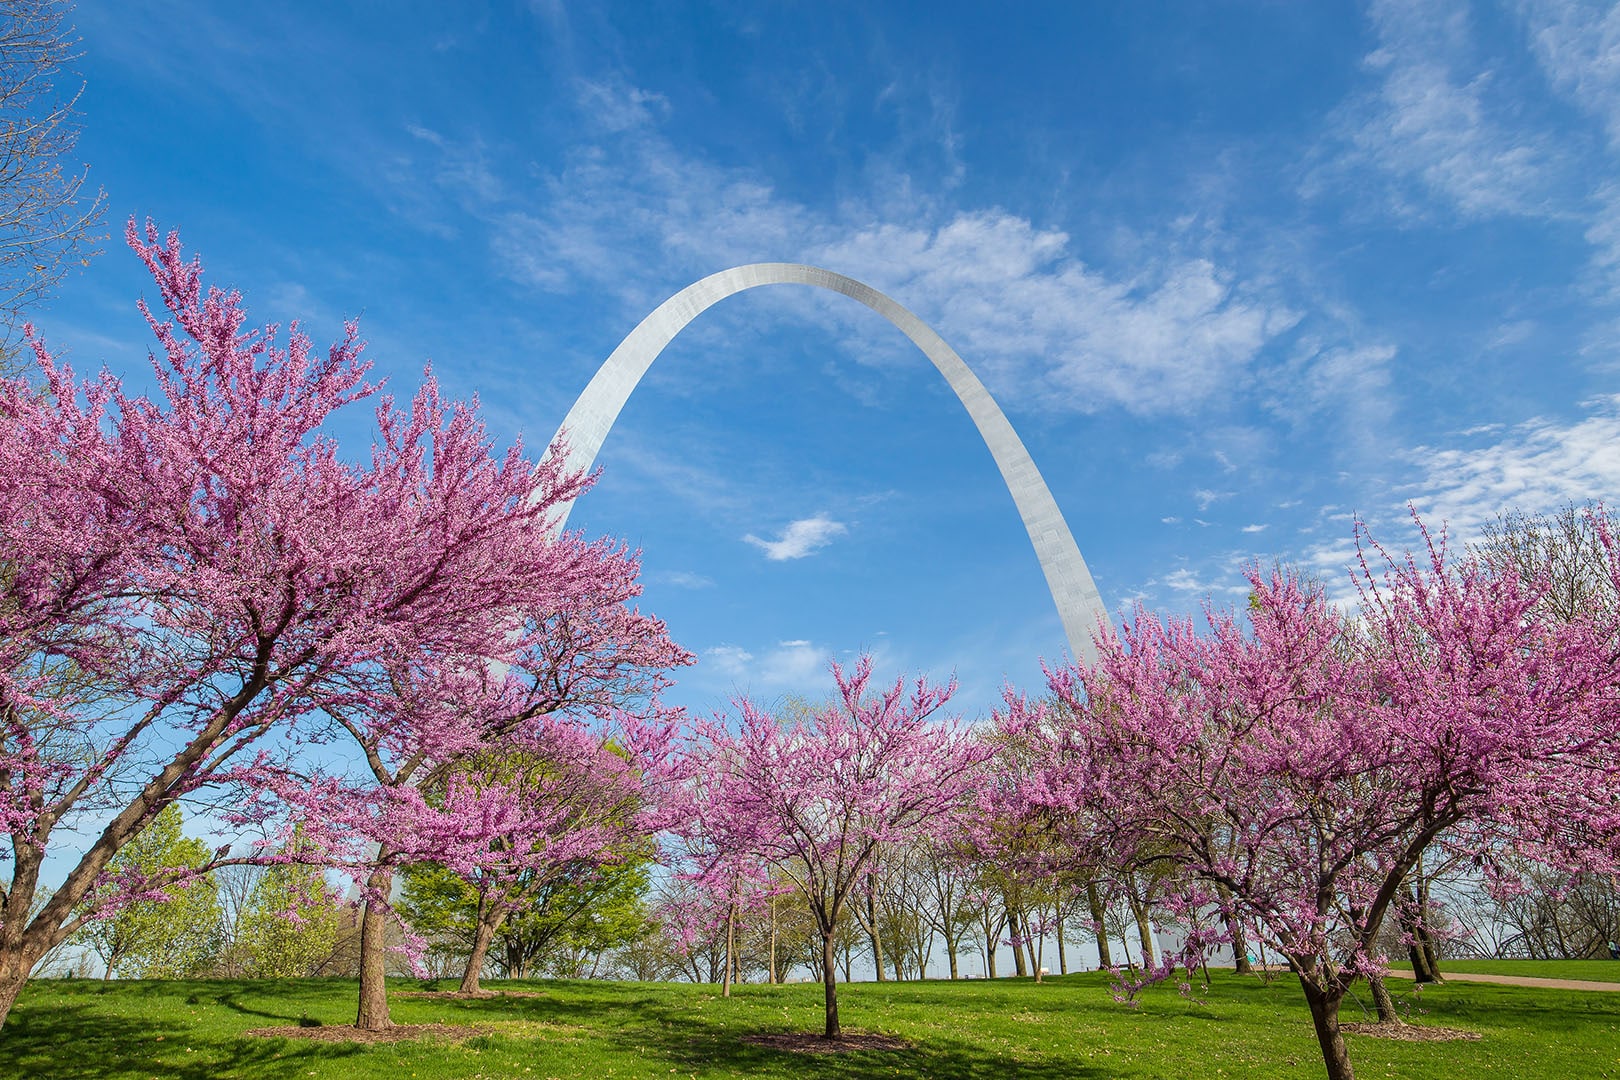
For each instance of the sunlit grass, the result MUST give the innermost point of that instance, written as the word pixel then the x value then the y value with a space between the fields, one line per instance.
pixel 1067 1027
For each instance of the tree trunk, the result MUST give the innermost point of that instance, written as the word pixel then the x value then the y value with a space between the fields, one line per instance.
pixel 829 984
pixel 950 951
pixel 1421 949
pixel 731 928
pixel 876 935
pixel 1015 931
pixel 373 1014
pixel 771 974
pixel 13 974
pixel 1099 925
pixel 490 917
pixel 1145 932
pixel 1382 1001
pixel 1063 954
pixel 1325 1016
pixel 1234 927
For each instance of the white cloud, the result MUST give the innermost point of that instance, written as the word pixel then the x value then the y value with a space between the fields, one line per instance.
pixel 635 216
pixel 1578 45
pixel 798 665
pixel 1205 497
pixel 1255 528
pixel 1434 122
pixel 801 538
pixel 1536 466
pixel 1008 294
pixel 680 579
pixel 612 105
pixel 1532 467
pixel 730 660
pixel 1185 580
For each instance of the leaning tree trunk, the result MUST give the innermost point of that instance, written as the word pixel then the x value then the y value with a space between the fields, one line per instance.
pixel 373 1014
pixel 14 968
pixel 1382 1001
pixel 490 918
pixel 1063 955
pixel 1099 925
pixel 1324 1005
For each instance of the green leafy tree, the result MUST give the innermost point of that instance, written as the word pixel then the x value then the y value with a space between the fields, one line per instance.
pixel 291 924
pixel 172 935
pixel 569 918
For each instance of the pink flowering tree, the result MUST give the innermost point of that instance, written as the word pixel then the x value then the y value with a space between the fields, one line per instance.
pixel 819 797
pixel 570 662
pixel 1292 772
pixel 187 580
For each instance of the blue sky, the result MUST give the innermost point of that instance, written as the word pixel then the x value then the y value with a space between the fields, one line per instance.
pixel 1236 273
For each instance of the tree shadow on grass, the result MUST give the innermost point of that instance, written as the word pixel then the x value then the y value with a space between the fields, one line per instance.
pixel 73 1033
pixel 84 1042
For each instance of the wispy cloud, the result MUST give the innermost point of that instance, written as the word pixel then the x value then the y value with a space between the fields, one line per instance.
pixel 1433 122
pixel 1537 465
pixel 632 214
pixel 801 538
pixel 680 579
pixel 796 665
pixel 1532 467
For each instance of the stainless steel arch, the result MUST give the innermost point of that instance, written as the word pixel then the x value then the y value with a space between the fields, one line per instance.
pixel 587 424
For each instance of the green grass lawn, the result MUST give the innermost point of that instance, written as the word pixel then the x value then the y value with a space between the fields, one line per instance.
pixel 1590 970
pixel 1067 1027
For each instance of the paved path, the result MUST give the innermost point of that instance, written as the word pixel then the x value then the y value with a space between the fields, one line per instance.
pixel 1520 980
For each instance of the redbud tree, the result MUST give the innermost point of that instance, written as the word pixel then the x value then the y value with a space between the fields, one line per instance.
pixel 1294 770
pixel 820 797
pixel 190 580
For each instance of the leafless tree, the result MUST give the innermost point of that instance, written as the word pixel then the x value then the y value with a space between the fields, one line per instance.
pixel 1565 551
pixel 48 220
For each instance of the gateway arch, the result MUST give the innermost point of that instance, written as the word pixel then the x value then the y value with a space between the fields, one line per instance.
pixel 588 422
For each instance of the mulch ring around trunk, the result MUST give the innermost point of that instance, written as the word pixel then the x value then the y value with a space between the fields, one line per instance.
pixel 461 995
pixel 1410 1032
pixel 348 1033
pixel 797 1042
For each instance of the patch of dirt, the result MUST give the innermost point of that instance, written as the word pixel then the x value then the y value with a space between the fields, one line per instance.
pixel 1410 1032
pixel 457 995
pixel 796 1042
pixel 348 1033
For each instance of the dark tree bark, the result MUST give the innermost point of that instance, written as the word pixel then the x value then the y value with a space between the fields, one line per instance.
pixel 1382 1001
pixel 1324 1003
pixel 829 986
pixel 1098 925
pixel 490 918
